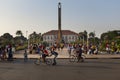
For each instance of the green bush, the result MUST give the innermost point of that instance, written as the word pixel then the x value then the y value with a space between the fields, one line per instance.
pixel 22 47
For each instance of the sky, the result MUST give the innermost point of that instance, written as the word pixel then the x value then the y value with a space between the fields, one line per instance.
pixel 42 16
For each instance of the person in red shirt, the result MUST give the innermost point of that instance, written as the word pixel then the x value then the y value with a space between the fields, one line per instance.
pixel 45 53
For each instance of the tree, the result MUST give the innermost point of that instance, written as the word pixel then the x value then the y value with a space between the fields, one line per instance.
pixel 20 39
pixel 85 32
pixel 91 34
pixel 19 33
pixel 85 35
pixel 6 39
pixel 92 39
pixel 35 38
pixel 7 36
pixel 110 35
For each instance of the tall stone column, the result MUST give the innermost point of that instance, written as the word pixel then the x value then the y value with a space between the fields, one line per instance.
pixel 59 23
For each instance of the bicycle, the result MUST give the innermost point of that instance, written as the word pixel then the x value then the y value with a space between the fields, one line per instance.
pixel 39 61
pixel 74 58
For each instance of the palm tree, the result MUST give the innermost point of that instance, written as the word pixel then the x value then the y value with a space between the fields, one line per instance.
pixel 91 34
pixel 20 38
pixel 19 33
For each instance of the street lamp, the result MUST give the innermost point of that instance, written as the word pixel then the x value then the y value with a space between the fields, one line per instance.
pixel 87 42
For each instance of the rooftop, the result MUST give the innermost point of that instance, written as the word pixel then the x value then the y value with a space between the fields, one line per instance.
pixel 64 32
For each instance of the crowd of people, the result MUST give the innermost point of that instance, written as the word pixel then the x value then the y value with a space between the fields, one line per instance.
pixel 91 49
pixel 113 49
pixel 7 52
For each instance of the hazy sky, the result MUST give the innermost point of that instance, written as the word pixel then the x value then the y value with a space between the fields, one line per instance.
pixel 42 15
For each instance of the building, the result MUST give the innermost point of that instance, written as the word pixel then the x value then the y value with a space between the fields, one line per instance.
pixel 67 36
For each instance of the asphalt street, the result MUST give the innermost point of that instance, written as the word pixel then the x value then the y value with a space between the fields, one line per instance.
pixel 91 69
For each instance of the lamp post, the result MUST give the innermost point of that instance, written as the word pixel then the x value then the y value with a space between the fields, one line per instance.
pixel 87 43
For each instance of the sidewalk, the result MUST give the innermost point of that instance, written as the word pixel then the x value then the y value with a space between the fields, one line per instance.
pixel 64 55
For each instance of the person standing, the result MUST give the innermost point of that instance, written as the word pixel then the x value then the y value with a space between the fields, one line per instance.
pixel 69 49
pixel 55 56
pixel 4 53
pixel 25 56
pixel 10 55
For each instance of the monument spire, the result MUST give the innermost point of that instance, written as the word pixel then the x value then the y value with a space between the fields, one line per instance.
pixel 59 23
pixel 59 16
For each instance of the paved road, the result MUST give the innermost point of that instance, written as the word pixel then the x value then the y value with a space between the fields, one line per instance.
pixel 91 69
